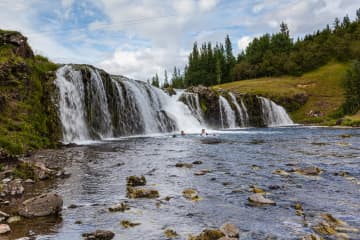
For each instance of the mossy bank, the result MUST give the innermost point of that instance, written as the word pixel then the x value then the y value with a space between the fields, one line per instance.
pixel 28 117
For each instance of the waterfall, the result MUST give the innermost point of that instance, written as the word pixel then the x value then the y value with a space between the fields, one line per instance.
pixel 95 105
pixel 226 113
pixel 241 109
pixel 273 114
pixel 193 103
pixel 71 105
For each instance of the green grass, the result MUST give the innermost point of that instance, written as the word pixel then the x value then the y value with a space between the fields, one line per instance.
pixel 29 120
pixel 322 86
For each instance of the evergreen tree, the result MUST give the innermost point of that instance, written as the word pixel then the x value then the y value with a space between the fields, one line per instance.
pixel 166 80
pixel 352 89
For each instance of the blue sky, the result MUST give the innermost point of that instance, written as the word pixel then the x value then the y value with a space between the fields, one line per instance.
pixel 137 38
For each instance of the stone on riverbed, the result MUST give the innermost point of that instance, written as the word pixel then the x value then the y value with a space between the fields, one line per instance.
pixel 312 237
pixel 184 165
pixel 43 205
pixel 280 172
pixel 230 230
pixel 141 192
pixel 4 228
pixel 128 224
pixel 15 187
pixel 99 235
pixel 208 234
pixel 191 194
pixel 310 171
pixel 169 233
pixel 122 207
pixel 3 216
pixel 258 198
pixel 13 219
pixel 135 181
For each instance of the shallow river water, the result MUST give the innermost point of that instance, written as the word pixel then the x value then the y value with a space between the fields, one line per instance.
pixel 244 158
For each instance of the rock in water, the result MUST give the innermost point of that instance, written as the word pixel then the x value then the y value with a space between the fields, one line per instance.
pixel 134 181
pixel 311 171
pixel 230 230
pixel 43 205
pixel 258 198
pixel 122 207
pixel 208 234
pixel 15 187
pixel 4 228
pixel 191 194
pixel 184 165
pixel 312 237
pixel 140 192
pixel 99 235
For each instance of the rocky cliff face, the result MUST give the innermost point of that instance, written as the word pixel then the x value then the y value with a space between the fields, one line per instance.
pixel 28 119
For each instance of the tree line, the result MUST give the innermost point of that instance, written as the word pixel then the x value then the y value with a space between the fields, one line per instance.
pixel 268 55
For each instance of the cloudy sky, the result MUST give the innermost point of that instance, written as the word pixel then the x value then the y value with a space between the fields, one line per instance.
pixel 137 38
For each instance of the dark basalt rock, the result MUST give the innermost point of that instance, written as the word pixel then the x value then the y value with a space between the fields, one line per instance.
pixel 19 43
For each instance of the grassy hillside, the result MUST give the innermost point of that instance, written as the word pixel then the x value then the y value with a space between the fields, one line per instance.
pixel 322 87
pixel 28 119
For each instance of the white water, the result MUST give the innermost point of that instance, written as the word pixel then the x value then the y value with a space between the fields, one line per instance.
pixel 138 108
pixel 71 105
pixel 95 106
pixel 274 115
pixel 228 118
pixel 193 103
pixel 241 109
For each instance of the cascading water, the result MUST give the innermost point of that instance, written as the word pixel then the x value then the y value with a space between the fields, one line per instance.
pixel 241 109
pixel 193 103
pixel 71 104
pixel 93 105
pixel 273 114
pixel 228 118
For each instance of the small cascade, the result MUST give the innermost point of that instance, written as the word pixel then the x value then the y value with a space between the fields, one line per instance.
pixel 241 110
pixel 273 114
pixel 193 103
pixel 227 115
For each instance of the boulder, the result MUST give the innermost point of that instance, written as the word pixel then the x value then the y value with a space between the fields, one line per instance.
pixel 258 198
pixel 230 230
pixel 99 235
pixel 4 228
pixel 43 205
pixel 134 181
pixel 141 192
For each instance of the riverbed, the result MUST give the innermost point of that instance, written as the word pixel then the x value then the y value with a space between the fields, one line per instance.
pixel 243 158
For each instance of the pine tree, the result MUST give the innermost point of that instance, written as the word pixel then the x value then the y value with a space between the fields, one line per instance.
pixel 358 15
pixel 166 80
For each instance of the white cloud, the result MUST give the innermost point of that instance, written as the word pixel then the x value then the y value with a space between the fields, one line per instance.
pixel 206 5
pixel 142 63
pixel 244 42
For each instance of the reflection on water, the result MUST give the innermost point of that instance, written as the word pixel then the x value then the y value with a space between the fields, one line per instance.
pixel 244 158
